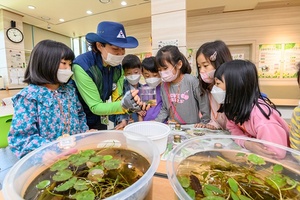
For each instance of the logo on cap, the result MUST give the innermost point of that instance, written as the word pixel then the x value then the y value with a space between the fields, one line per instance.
pixel 121 34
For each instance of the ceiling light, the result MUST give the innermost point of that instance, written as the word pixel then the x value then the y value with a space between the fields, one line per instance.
pixel 45 18
pixel 31 7
pixel 61 20
pixel 104 1
pixel 89 12
pixel 123 3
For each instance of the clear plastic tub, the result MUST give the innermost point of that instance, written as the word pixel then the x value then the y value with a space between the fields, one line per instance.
pixel 191 157
pixel 30 166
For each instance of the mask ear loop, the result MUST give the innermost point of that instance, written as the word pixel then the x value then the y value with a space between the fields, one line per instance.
pixel 213 57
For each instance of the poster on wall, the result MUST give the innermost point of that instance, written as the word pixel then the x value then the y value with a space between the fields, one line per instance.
pixel 163 43
pixel 291 58
pixel 278 60
pixel 238 56
pixel 269 60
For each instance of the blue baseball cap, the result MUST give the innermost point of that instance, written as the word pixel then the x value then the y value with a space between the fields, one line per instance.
pixel 112 33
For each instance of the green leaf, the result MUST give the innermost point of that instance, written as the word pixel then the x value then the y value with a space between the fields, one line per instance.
pixel 276 181
pixel 81 161
pixel 191 193
pixel 96 159
pixel 205 174
pixel 290 181
pixel 213 198
pixel 242 197
pixel 85 195
pixel 67 185
pixel 60 165
pixel 277 168
pixel 112 164
pixel 254 179
pixel 233 185
pixel 240 154
pixel 233 195
pixel 184 181
pixel 87 153
pixel 73 158
pixel 62 175
pixel 209 190
pixel 255 159
pixel 80 185
pixel 97 167
pixel 43 184
pixel 214 189
pixel 107 157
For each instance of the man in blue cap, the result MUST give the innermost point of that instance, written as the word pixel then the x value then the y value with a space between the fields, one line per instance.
pixel 98 75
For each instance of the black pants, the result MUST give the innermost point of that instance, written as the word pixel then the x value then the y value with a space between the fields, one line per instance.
pixel 97 125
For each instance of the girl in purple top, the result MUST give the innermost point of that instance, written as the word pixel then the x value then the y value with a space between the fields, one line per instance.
pixel 248 112
pixel 152 78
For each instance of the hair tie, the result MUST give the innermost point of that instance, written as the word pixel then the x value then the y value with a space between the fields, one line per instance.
pixel 213 57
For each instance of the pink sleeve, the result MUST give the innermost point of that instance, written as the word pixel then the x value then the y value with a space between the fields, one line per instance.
pixel 273 133
pixel 235 130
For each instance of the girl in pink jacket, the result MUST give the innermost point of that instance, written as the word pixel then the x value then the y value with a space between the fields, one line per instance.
pixel 248 112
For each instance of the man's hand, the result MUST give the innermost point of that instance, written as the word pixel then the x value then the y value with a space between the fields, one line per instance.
pixel 132 102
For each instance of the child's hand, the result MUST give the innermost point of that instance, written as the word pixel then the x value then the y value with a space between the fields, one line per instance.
pixel 212 127
pixel 142 113
pixel 51 156
pixel 121 125
pixel 199 125
pixel 259 149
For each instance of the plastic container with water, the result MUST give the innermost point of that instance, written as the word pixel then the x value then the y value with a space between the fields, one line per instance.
pixel 29 167
pixel 215 167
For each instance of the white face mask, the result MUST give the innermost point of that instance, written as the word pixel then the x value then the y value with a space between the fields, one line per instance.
pixel 113 60
pixel 63 75
pixel 133 79
pixel 153 82
pixel 218 94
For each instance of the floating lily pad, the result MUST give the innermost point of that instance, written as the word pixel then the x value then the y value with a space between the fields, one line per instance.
pixel 43 184
pixel 80 185
pixel 67 185
pixel 60 165
pixel 63 175
pixel 85 195
pixel 255 159
pixel 112 164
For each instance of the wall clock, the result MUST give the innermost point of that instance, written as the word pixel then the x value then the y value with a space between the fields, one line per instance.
pixel 14 35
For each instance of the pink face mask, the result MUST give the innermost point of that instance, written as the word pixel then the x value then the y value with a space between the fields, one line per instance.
pixel 208 77
pixel 168 76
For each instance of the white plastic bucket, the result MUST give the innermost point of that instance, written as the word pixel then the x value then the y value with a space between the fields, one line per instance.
pixel 156 131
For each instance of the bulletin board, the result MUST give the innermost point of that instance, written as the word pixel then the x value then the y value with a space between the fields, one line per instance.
pixel 278 61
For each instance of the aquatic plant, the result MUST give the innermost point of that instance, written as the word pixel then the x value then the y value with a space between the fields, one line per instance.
pixel 249 177
pixel 89 175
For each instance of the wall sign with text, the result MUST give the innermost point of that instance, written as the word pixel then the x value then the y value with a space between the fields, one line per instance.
pixel 278 60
